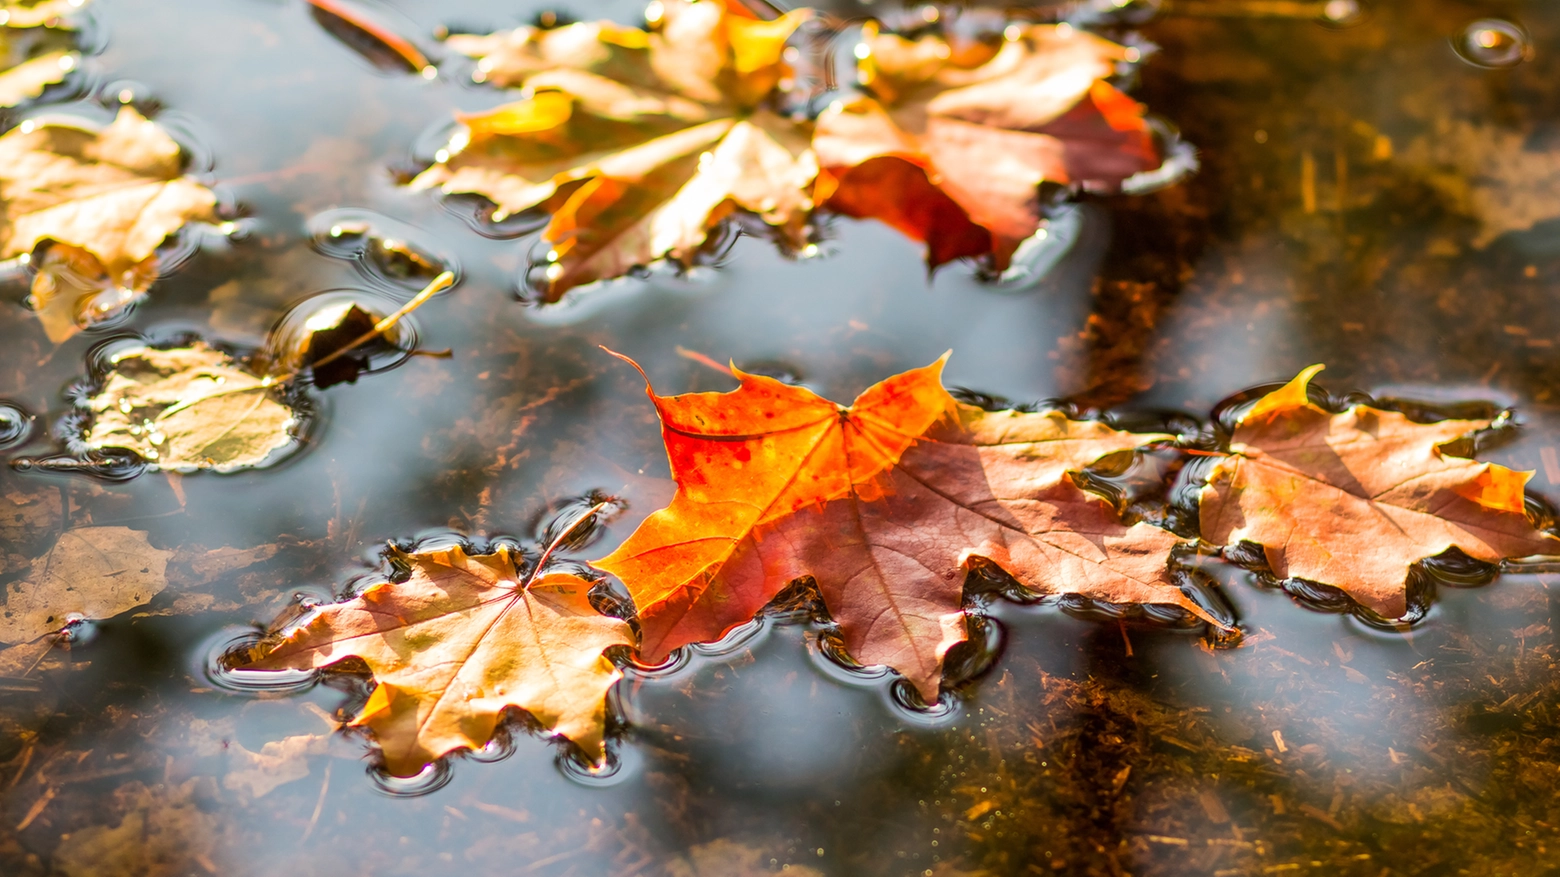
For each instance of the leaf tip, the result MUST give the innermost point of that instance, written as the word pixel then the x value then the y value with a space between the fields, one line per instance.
pixel 1289 397
pixel 1497 487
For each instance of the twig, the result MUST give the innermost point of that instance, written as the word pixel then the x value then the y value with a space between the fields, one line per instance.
pixel 27 755
pixel 37 808
pixel 319 805
pixel 439 284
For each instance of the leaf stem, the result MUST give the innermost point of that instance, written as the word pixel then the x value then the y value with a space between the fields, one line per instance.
pixel 558 540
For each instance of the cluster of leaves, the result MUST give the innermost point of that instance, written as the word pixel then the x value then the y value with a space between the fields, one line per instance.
pixel 640 142
pixel 637 142
pixel 886 505
pixel 88 206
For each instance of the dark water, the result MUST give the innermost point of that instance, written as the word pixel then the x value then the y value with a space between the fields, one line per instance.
pixel 1368 199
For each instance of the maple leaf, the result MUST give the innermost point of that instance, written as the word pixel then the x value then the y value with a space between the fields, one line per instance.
pixel 1354 499
pixel 455 644
pixel 33 52
pixel 187 408
pixel 113 194
pixel 638 142
pixel 884 504
pixel 951 148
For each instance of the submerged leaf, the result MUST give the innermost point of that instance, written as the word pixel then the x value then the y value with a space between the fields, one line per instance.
pixel 638 142
pixel 188 408
pixel 113 194
pixel 951 149
pixel 92 573
pixel 73 291
pixel 455 644
pixel 1354 499
pixel 884 504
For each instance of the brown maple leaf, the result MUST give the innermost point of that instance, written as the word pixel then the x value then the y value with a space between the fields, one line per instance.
pixel 456 643
pixel 884 504
pixel 112 196
pixel 951 148
pixel 1354 499
pixel 639 142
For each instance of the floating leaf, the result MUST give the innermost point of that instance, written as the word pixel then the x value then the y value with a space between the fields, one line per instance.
pixel 188 408
pixel 90 573
pixel 114 194
pixel 884 504
pixel 1354 499
pixel 34 52
pixel 455 644
pixel 951 148
pixel 638 142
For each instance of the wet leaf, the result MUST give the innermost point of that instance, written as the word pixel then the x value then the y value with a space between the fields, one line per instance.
pixel 1487 172
pixel 113 194
pixel 167 830
pixel 730 858
pixel 1354 499
pixel 72 290
pixel 637 142
pixel 188 408
pixel 334 335
pixel 884 504
pixel 454 645
pixel 26 518
pixel 91 572
pixel 33 50
pixel 952 147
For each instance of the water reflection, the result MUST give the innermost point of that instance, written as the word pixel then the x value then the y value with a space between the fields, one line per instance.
pixel 1366 199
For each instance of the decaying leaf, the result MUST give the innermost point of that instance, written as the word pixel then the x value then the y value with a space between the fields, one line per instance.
pixel 168 830
pixel 26 518
pixel 638 142
pixel 883 503
pixel 1488 172
pixel 729 858
pixel 331 330
pixel 454 645
pixel 91 572
pixel 34 52
pixel 1354 499
pixel 112 194
pixel 188 408
pixel 951 148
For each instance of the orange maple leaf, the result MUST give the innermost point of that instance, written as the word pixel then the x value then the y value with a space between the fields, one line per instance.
pixel 455 644
pixel 1354 499
pixel 884 504
pixel 951 149
pixel 638 142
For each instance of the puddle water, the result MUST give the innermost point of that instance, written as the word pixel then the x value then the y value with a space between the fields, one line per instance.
pixel 1377 191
